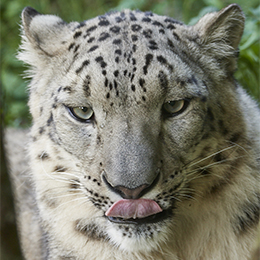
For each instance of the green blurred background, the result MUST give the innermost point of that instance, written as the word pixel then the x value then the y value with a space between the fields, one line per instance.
pixel 13 91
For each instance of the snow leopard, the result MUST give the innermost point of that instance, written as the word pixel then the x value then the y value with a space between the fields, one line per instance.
pixel 142 145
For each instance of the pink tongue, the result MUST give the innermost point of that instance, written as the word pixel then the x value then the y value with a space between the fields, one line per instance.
pixel 139 208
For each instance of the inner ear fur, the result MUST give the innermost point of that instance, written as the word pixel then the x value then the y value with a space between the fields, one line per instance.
pixel 221 32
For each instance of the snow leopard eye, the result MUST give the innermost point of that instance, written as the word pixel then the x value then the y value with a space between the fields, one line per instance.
pixel 82 114
pixel 173 108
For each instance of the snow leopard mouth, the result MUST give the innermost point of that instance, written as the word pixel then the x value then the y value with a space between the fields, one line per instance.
pixel 159 217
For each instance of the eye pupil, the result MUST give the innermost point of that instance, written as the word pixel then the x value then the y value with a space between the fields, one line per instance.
pixel 84 109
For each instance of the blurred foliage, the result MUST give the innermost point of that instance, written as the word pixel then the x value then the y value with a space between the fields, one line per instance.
pixel 14 91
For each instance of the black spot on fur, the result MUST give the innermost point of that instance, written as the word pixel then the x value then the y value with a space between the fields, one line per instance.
pixel 100 60
pixel 71 46
pixel 132 17
pixel 82 24
pixel 103 22
pixel 67 89
pixel 98 139
pixel 171 20
pixel 147 33
pixel 153 45
pixel 141 82
pixel 90 40
pixel 156 23
pixel 92 28
pixel 146 20
pixel 115 29
pixel 117 41
pixel 50 120
pixel 103 36
pixel 133 87
pixel 93 48
pixel 77 34
pixel 163 80
pixel 106 82
pixel 75 57
pixel 136 27
pixel 76 48
pixel 84 64
pixel 161 31
pixel 164 62
pixel 119 52
pixel 148 59
pixel 176 36
pixel 41 130
pixel 116 73
pixel 134 38
pixel 132 77
pixel 171 27
pixel 115 84
pixel 86 87
pixel 119 19
pixel 170 43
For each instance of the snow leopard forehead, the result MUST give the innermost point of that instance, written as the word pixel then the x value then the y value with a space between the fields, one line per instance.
pixel 124 54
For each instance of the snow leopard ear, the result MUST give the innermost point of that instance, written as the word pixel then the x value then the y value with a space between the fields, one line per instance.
pixel 220 34
pixel 42 37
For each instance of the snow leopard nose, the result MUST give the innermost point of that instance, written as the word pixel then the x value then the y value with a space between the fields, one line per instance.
pixel 131 159
pixel 130 193
pixel 134 193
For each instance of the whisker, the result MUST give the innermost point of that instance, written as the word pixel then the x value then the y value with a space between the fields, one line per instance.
pixel 200 169
pixel 211 155
pixel 73 200
pixel 239 146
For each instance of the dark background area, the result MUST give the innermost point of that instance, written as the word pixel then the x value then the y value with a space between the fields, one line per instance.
pixel 13 92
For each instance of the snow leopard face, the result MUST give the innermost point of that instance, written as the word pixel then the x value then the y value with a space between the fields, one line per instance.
pixel 135 123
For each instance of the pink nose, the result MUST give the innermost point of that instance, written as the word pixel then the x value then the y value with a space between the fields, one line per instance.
pixel 131 193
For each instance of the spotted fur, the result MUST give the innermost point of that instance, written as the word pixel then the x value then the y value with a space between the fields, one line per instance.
pixel 165 113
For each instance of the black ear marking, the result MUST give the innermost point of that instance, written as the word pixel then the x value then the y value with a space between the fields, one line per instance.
pixel 45 33
pixel 28 14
